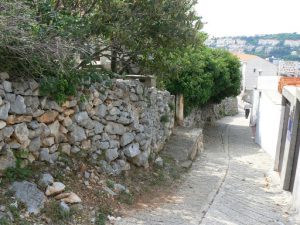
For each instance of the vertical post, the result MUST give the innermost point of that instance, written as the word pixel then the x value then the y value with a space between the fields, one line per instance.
pixel 179 109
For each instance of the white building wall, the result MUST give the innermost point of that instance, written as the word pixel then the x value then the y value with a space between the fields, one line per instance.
pixel 258 67
pixel 296 191
pixel 268 122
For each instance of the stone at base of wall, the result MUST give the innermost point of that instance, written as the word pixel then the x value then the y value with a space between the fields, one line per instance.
pixel 212 112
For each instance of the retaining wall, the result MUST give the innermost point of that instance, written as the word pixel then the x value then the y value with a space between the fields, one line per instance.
pixel 115 127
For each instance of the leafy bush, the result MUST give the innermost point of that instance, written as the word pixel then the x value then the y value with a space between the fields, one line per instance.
pixel 202 75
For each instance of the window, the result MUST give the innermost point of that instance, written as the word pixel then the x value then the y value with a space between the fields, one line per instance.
pixel 254 70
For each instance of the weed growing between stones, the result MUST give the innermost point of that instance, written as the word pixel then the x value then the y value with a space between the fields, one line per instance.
pixel 18 172
pixel 110 183
pixel 57 216
pixel 126 198
pixel 164 118
pixel 172 106
pixel 101 219
pixel 4 221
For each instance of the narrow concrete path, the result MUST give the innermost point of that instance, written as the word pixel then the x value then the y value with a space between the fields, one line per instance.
pixel 230 183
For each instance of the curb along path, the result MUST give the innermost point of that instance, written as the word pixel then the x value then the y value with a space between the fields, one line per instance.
pixel 229 183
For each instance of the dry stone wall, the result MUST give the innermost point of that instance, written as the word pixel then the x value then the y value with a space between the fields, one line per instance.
pixel 212 112
pixel 115 127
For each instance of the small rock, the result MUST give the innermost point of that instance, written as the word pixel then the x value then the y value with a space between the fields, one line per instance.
pixel 47 142
pixel 101 110
pixel 132 150
pixel 45 180
pixel 123 165
pixel 13 119
pixel 67 121
pixel 141 159
pixel 7 160
pixel 7 132
pixel 187 164
pixel 98 128
pixel 69 112
pixel 55 188
pixel 118 188
pixel 33 85
pixel 4 76
pixel 2 124
pixel 126 139
pixel 87 175
pixel 68 197
pixel 18 106
pixel 4 109
pixel 75 149
pixel 2 208
pixel 48 117
pixel 44 155
pixel 111 154
pixel 159 161
pixel 65 148
pixel 54 130
pixel 104 145
pixel 86 144
pixel 113 219
pixel 35 144
pixel 21 132
pixel 109 191
pixel 64 207
pixel 7 86
pixel 78 134
pixel 84 120
pixel 115 128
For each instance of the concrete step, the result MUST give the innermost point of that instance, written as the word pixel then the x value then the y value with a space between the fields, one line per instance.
pixel 184 145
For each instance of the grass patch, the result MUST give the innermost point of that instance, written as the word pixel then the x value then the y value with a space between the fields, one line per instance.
pixel 110 184
pixel 126 198
pixel 104 209
pixel 100 219
pixel 18 173
pixel 58 216
pixel 4 221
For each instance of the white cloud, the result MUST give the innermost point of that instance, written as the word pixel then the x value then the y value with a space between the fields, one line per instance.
pixel 249 17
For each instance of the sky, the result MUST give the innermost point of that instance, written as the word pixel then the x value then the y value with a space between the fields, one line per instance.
pixel 249 17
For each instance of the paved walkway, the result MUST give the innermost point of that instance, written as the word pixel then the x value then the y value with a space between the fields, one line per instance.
pixel 230 183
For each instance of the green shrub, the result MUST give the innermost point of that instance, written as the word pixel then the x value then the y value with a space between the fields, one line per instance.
pixel 164 119
pixel 101 219
pixel 202 75
pixel 126 198
pixel 17 173
pixel 172 106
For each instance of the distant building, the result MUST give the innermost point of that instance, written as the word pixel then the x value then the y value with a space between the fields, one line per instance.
pixel 253 67
pixel 292 43
pixel 270 42
pixel 289 68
